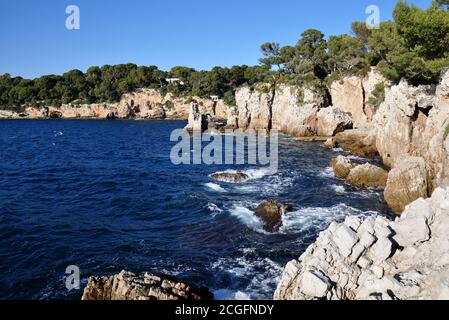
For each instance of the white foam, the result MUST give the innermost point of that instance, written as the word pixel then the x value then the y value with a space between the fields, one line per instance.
pixel 263 273
pixel 338 189
pixel 309 218
pixel 248 218
pixel 226 294
pixel 214 187
pixel 356 158
pixel 212 207
pixel 253 174
pixel 327 173
pixel 337 149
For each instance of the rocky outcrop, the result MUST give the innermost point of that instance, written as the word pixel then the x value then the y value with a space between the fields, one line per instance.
pixel 406 183
pixel 271 212
pixel 230 177
pixel 198 121
pixel 254 107
pixel 375 258
pixel 288 109
pixel 357 142
pixel 367 175
pixel 141 105
pixel 342 166
pixel 412 122
pixel 128 286
pixel 351 95
pixel 331 121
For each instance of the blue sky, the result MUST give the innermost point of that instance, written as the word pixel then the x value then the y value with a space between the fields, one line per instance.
pixel 166 33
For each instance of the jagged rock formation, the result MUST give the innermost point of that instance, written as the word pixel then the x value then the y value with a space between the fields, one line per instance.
pixel 198 121
pixel 128 286
pixel 412 122
pixel 300 112
pixel 375 258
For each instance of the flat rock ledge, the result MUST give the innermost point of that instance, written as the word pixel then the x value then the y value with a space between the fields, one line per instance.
pixel 128 286
pixel 374 258
pixel 366 175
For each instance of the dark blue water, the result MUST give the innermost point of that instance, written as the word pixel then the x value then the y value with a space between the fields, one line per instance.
pixel 105 196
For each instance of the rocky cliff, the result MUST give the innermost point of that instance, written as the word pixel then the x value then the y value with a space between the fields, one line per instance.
pixel 308 111
pixel 410 132
pixel 142 104
pixel 375 258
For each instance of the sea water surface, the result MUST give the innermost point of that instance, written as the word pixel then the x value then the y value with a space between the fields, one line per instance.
pixel 104 196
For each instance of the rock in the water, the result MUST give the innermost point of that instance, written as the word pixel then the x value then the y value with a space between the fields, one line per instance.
pixel 342 166
pixel 406 183
pixel 331 121
pixel 357 141
pixel 128 286
pixel 367 175
pixel 330 143
pixel 270 212
pixel 198 120
pixel 230 177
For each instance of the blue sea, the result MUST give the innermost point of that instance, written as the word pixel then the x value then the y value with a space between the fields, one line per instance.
pixel 104 196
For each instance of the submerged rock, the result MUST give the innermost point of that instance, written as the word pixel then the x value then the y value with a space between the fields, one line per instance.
pixel 271 213
pixel 128 286
pixel 367 175
pixel 230 177
pixel 375 258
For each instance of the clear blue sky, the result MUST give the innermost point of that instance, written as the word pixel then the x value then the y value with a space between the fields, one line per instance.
pixel 166 33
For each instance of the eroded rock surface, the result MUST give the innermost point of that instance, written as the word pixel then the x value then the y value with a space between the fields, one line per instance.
pixel 406 183
pixel 375 258
pixel 367 175
pixel 128 286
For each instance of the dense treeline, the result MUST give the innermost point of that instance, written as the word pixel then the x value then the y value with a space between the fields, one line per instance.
pixel 108 83
pixel 414 46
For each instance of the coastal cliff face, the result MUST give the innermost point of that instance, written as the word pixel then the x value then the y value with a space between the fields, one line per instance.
pixel 352 95
pixel 300 112
pixel 376 259
pixel 308 111
pixel 142 104
pixel 410 132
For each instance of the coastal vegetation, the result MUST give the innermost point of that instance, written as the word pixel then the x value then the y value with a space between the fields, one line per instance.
pixel 414 46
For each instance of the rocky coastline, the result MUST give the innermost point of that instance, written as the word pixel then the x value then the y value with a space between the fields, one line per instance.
pixel 371 258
